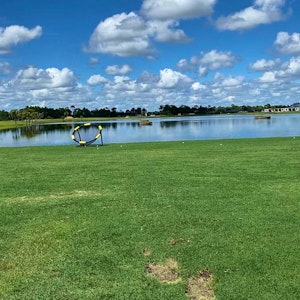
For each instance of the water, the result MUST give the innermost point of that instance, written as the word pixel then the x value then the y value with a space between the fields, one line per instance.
pixel 162 129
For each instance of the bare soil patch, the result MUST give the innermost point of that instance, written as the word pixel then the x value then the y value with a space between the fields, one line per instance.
pixel 199 287
pixel 175 241
pixel 147 252
pixel 166 273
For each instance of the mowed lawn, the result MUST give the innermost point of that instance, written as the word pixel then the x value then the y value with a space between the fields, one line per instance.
pixel 92 223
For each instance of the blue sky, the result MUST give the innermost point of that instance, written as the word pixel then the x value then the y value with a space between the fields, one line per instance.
pixel 147 53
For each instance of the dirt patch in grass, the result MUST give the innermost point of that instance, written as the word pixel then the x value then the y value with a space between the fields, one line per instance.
pixel 166 273
pixel 147 252
pixel 175 241
pixel 199 287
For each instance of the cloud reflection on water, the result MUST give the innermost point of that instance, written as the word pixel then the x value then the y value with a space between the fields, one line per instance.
pixel 163 129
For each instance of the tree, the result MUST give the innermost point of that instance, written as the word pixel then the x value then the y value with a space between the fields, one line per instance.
pixel 132 111
pixel 113 112
pixel 4 115
pixel 72 109
pixel 144 112
pixel 29 114
pixel 14 115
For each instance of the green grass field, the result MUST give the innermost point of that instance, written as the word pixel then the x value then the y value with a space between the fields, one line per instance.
pixel 10 124
pixel 86 223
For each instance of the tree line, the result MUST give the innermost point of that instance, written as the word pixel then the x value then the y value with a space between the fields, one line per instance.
pixel 32 113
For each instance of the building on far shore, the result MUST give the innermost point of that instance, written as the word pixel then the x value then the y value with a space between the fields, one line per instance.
pixel 293 107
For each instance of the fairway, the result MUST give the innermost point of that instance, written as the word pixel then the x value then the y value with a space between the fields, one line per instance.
pixel 149 220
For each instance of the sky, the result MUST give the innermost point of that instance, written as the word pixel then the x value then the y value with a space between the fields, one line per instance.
pixel 146 53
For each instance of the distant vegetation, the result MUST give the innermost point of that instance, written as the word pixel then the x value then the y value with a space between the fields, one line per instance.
pixel 31 113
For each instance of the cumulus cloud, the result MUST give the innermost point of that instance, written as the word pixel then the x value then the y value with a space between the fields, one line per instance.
pixel 287 72
pixel 49 86
pixel 215 60
pixel 183 64
pixel 34 86
pixel 291 69
pixel 288 44
pixel 208 61
pixel 15 34
pixel 232 81
pixel 166 31
pixel 264 65
pixel 121 84
pixel 117 70
pixel 122 35
pixel 268 77
pixel 61 78
pixel 5 67
pixel 261 12
pixel 130 35
pixel 197 86
pixel 134 35
pixel 171 79
pixel 176 9
pixel 96 80
pixel 37 79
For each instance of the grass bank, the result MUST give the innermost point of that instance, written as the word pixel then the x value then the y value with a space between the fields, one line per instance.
pixel 10 124
pixel 91 223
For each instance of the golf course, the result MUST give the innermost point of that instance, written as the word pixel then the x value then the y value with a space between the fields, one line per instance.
pixel 214 219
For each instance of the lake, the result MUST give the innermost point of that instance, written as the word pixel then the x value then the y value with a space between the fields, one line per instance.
pixel 162 129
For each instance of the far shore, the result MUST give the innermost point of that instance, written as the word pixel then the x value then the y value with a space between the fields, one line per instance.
pixel 11 124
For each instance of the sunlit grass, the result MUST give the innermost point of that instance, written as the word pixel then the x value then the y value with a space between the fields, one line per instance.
pixel 10 124
pixel 75 221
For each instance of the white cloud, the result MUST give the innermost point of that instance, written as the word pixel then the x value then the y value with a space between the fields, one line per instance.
pixel 177 9
pixel 255 92
pixel 122 35
pixel 121 79
pixel 121 84
pixel 232 81
pixel 5 67
pixel 117 70
pixel 133 35
pixel 288 44
pixel 171 79
pixel 96 80
pixel 214 60
pixel 197 86
pixel 261 12
pixel 291 69
pixel 218 76
pixel 183 64
pixel 15 34
pixel 94 60
pixel 268 77
pixel 208 61
pixel 230 98
pixel 203 71
pixel 130 35
pixel 288 71
pixel 32 86
pixel 264 65
pixel 61 78
pixel 165 31
pixel 223 84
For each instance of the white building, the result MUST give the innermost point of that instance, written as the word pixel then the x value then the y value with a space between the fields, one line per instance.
pixel 294 107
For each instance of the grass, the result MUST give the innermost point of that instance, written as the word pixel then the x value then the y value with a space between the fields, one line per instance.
pixel 10 124
pixel 75 221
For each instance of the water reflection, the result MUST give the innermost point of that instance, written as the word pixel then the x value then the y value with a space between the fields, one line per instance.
pixel 163 129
